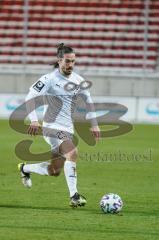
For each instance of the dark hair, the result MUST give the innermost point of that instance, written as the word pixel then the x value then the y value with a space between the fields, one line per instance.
pixel 61 50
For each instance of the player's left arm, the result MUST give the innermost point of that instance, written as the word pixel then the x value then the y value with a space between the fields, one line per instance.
pixel 95 132
pixel 91 114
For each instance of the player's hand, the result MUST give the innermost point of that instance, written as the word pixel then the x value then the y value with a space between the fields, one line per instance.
pixel 34 128
pixel 96 132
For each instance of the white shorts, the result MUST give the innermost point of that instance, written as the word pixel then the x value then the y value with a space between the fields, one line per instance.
pixel 56 141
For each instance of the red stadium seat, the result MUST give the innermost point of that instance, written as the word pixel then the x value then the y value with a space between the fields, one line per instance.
pixel 105 34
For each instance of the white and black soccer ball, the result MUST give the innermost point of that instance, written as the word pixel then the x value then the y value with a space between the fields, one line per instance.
pixel 111 203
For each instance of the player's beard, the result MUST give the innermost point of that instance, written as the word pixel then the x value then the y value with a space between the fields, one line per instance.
pixel 68 71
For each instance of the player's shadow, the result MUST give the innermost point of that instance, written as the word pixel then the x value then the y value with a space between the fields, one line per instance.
pixel 64 209
pixel 85 209
pixel 30 207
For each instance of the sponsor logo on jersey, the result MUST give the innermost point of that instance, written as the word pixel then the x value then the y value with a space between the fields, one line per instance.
pixel 39 86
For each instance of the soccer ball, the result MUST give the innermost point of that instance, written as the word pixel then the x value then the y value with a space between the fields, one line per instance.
pixel 111 203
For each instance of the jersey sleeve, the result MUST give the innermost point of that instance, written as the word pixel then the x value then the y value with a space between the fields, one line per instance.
pixel 39 88
pixel 91 113
pixel 86 96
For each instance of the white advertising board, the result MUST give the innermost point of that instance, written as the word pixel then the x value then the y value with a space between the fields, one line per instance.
pixel 148 110
pixel 143 110
pixel 10 102
pixel 128 102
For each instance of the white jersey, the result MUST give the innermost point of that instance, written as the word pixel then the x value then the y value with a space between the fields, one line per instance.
pixel 55 87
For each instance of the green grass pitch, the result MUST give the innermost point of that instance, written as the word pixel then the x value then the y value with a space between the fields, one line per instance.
pixel 42 212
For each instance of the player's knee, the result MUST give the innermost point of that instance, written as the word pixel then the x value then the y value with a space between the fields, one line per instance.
pixel 69 150
pixel 54 172
pixel 74 154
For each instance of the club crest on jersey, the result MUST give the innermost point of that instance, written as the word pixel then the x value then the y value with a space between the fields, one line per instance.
pixel 39 86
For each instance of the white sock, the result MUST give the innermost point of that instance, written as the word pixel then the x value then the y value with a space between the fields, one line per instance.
pixel 40 168
pixel 71 176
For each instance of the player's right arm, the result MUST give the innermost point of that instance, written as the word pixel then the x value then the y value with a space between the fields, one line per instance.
pixel 34 128
pixel 36 90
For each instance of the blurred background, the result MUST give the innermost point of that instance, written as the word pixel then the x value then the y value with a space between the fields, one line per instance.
pixel 116 43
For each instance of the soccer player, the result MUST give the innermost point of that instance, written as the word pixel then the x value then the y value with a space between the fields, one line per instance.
pixel 61 101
